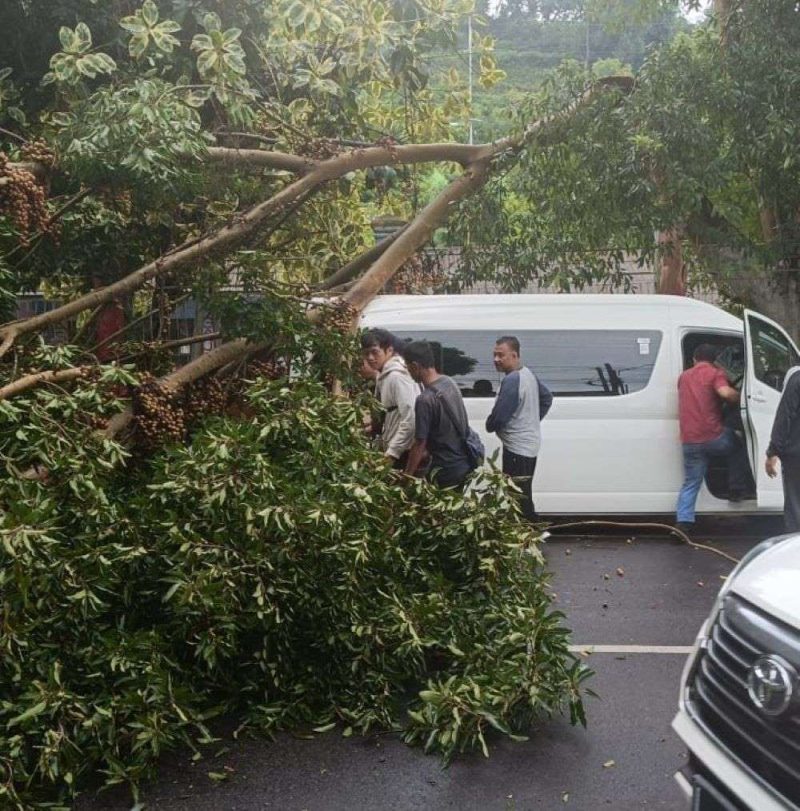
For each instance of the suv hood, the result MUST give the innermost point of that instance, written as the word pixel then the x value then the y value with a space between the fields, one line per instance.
pixel 772 581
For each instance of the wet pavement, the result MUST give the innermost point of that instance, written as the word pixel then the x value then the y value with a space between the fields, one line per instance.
pixel 617 590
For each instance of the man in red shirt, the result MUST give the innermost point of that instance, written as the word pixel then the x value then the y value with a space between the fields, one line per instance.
pixel 701 391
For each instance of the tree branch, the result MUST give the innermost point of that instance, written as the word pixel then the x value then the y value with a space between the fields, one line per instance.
pixel 360 158
pixel 231 156
pixel 29 381
pixel 416 234
pixel 475 158
pixel 194 370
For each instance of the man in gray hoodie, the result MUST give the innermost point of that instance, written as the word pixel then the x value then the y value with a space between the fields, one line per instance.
pixel 395 390
pixel 523 400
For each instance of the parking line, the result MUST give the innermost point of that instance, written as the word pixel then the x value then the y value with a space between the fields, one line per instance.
pixel 679 649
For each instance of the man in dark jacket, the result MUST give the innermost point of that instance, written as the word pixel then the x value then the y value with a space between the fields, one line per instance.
pixel 785 445
pixel 435 433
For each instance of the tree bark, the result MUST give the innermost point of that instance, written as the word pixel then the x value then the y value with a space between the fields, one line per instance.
pixel 416 234
pixel 671 268
pixel 29 381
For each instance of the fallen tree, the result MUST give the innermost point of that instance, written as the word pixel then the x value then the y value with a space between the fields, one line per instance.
pixel 272 570
pixel 214 537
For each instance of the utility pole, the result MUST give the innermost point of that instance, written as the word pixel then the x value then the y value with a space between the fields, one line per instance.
pixel 586 57
pixel 469 83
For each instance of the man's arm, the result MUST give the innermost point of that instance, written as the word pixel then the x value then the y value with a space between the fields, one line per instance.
pixel 728 393
pixel 423 418
pixel 545 399
pixel 724 389
pixel 418 452
pixel 505 405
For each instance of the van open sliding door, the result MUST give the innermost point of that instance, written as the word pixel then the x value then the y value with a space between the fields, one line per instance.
pixel 770 354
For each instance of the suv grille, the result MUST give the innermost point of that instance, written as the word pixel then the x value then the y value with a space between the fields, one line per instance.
pixel 767 747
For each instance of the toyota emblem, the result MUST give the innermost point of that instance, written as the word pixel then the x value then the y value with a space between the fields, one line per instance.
pixel 771 684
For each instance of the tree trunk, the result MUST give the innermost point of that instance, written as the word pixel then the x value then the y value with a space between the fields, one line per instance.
pixel 671 269
pixel 774 292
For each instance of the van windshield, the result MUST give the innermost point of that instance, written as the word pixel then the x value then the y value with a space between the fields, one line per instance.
pixel 571 363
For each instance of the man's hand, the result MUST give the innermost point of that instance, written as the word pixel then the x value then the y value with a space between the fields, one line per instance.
pixel 771 466
pixel 729 394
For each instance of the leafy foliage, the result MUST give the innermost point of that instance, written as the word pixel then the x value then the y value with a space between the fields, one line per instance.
pixel 273 569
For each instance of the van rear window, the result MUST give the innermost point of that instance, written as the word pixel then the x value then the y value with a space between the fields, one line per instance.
pixel 572 363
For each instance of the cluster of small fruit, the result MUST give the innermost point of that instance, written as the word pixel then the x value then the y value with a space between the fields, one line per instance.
pixel 37 151
pixel 339 318
pixel 269 369
pixel 206 396
pixel 23 200
pixel 160 414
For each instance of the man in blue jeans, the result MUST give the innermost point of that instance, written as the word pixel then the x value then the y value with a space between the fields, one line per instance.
pixel 701 392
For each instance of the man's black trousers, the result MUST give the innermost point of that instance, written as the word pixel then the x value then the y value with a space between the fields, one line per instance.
pixel 791 493
pixel 521 470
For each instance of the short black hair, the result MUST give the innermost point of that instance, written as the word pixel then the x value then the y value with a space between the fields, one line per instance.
pixel 706 352
pixel 511 340
pixel 418 352
pixel 379 337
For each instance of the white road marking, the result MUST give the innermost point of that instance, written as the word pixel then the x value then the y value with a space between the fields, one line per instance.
pixel 679 649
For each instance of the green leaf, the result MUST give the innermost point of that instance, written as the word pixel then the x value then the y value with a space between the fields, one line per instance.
pixel 84 37
pixel 202 42
pixel 150 13
pixel 235 63
pixel 133 24
pixel 138 44
pixel 31 712
pixel 67 38
pixel 206 62
pixel 168 27
pixel 231 35
pixel 212 22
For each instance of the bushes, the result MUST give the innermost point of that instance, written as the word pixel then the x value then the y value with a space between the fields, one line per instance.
pixel 274 569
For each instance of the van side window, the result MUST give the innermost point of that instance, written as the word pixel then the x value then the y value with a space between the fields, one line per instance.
pixel 571 363
pixel 773 355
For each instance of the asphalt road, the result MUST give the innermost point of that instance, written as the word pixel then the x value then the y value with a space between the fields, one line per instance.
pixel 618 591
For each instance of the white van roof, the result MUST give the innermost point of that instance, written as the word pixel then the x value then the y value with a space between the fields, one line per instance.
pixel 513 311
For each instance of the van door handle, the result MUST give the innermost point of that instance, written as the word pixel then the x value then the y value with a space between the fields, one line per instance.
pixel 758 398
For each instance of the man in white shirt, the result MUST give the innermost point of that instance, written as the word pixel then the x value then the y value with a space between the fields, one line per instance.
pixel 395 390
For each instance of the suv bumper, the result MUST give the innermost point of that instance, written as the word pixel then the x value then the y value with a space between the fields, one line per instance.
pixel 743 791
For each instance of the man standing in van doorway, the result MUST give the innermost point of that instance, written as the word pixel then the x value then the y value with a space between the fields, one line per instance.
pixel 785 445
pixel 701 391
pixel 396 392
pixel 435 433
pixel 521 404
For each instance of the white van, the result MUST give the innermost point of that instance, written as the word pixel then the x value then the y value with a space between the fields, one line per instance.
pixel 610 442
